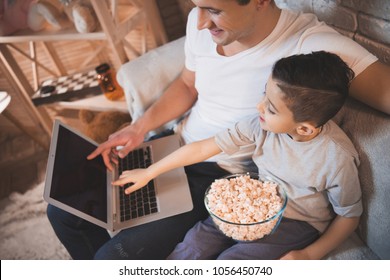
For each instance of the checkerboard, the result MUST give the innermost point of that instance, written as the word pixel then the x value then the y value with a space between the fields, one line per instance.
pixel 65 88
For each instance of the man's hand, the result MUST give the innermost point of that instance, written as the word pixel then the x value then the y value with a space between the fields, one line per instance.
pixel 127 138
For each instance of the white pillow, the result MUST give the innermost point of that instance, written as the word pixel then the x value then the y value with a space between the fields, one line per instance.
pixel 145 78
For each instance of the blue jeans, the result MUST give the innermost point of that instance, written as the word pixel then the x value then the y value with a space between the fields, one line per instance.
pixel 155 240
pixel 204 242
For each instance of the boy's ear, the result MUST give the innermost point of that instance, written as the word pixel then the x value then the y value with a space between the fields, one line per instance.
pixel 306 129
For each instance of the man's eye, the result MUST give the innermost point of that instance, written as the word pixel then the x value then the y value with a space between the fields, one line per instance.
pixel 214 12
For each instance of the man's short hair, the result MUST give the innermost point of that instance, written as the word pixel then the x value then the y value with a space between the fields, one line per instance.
pixel 315 85
pixel 243 2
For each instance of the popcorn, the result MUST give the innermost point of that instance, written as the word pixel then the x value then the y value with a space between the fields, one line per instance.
pixel 243 204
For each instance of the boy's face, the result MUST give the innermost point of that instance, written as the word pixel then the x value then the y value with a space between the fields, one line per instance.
pixel 274 114
pixel 226 20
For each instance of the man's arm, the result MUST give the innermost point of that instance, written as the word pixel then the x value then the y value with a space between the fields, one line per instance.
pixel 179 97
pixel 176 100
pixel 186 155
pixel 339 230
pixel 372 86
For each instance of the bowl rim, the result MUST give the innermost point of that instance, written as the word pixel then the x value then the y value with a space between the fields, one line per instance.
pixel 260 177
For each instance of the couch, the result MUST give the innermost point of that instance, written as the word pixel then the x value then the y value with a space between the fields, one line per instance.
pixel 145 78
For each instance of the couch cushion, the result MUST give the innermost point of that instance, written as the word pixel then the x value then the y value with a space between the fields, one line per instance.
pixel 369 130
pixel 352 249
pixel 145 78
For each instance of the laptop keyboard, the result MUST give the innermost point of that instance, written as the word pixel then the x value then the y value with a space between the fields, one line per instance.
pixel 143 201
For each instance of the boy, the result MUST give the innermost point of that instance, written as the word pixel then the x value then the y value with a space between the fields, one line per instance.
pixel 297 144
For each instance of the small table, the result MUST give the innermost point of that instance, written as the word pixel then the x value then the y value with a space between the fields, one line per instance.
pixel 96 103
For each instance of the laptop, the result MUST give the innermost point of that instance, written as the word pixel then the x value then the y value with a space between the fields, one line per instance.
pixel 83 187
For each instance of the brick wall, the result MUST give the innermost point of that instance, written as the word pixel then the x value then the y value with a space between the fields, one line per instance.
pixel 366 22
pixel 173 19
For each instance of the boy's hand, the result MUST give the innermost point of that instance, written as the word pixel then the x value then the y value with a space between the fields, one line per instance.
pixel 138 177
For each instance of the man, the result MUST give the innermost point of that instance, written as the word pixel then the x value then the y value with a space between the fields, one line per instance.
pixel 230 48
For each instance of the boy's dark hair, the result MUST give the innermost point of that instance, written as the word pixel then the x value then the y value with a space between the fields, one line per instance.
pixel 315 85
pixel 243 2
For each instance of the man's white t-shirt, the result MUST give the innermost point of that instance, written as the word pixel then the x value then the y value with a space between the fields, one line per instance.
pixel 229 88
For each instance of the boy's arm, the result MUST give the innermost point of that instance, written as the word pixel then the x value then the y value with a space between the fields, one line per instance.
pixel 186 155
pixel 339 230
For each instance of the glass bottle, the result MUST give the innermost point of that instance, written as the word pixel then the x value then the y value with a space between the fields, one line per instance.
pixel 108 82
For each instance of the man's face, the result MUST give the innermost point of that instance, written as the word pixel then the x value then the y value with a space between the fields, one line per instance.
pixel 226 20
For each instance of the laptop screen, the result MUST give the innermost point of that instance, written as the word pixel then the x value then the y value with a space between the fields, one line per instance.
pixel 76 181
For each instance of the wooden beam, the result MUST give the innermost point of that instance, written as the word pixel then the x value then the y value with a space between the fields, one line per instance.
pixel 55 60
pixel 35 136
pixel 33 55
pixel 153 17
pixel 109 29
pixel 18 80
pixel 31 59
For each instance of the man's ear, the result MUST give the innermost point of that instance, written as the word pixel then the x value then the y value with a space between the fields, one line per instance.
pixel 261 3
pixel 306 129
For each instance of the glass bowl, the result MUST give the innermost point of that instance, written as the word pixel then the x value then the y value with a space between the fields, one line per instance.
pixel 247 206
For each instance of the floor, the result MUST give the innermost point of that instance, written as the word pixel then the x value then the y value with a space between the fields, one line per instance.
pixel 25 232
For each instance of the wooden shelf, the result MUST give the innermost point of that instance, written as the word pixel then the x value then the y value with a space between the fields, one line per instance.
pixel 123 14
pixel 52 35
pixel 115 23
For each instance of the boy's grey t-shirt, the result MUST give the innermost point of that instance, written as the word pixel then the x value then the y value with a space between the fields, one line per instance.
pixel 320 176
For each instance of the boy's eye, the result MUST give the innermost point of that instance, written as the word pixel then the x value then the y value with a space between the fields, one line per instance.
pixel 270 110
